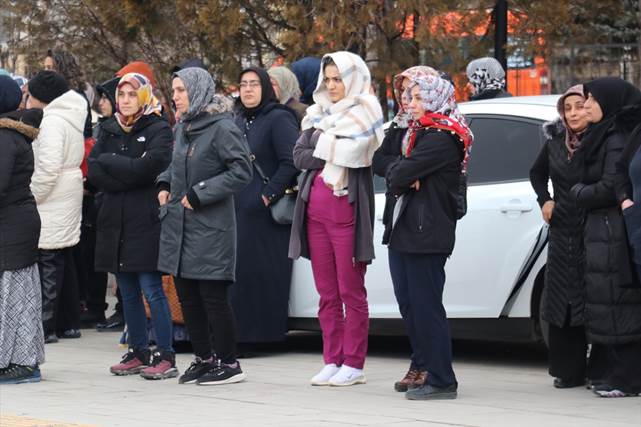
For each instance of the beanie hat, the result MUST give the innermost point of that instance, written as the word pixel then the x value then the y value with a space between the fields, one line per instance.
pixel 47 85
pixel 10 94
pixel 108 89
pixel 140 68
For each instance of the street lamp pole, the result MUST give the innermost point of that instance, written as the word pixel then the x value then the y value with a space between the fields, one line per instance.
pixel 500 33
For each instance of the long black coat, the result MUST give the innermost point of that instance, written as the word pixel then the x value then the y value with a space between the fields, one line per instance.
pixel 124 167
pixel 427 219
pixel 211 159
pixel 263 270
pixel 613 308
pixel 19 219
pixel 564 272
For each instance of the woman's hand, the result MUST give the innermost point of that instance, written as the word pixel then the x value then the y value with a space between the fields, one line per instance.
pixel 547 209
pixel 186 204
pixel 163 197
pixel 417 185
pixel 626 204
pixel 265 200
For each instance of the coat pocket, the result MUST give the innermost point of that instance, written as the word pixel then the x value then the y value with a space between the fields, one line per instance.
pixel 164 209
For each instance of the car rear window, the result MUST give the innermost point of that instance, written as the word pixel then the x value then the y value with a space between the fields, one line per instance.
pixel 504 148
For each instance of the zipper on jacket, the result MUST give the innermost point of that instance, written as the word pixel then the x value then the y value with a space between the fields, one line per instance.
pixel 421 211
pixel 186 134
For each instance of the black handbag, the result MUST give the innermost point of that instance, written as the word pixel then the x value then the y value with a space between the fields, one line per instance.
pixel 282 210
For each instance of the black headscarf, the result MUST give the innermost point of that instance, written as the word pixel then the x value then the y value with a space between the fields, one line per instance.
pixel 615 96
pixel 268 95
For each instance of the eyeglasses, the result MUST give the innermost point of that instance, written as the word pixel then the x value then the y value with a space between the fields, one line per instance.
pixel 251 83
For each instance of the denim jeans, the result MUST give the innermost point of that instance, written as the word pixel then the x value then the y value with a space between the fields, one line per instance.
pixel 150 283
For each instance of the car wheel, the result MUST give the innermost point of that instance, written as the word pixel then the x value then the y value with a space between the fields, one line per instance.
pixel 541 326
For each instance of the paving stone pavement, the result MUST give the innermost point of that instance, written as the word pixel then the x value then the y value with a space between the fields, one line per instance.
pixel 495 391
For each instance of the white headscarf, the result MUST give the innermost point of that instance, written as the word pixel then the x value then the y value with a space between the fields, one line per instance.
pixel 352 128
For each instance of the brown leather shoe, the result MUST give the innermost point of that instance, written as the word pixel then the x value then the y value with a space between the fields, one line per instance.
pixel 407 381
pixel 419 381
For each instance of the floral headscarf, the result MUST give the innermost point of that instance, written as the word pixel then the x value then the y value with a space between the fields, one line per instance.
pixel 486 74
pixel 403 118
pixel 149 104
pixel 441 112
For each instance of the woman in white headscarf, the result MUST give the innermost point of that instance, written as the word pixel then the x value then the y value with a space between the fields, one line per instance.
pixel 334 216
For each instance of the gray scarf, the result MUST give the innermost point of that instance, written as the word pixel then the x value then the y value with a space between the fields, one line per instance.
pixel 200 90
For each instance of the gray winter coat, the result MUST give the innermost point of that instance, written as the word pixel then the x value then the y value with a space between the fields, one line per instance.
pixel 210 163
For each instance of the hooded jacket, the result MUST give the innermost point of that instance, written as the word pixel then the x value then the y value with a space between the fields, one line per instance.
pixel 19 219
pixel 57 180
pixel 211 161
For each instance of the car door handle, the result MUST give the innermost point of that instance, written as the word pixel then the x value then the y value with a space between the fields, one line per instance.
pixel 516 207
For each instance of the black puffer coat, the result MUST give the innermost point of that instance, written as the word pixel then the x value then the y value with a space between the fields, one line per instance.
pixel 19 219
pixel 613 308
pixel 124 167
pixel 564 272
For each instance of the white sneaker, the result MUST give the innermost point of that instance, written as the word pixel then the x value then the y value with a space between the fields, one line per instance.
pixel 322 378
pixel 347 376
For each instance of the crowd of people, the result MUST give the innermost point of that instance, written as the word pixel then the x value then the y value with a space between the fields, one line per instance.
pixel 131 195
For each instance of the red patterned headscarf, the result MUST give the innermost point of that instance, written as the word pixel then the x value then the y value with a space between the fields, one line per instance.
pixel 441 112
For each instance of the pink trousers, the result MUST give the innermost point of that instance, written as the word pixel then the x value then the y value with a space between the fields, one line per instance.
pixel 343 313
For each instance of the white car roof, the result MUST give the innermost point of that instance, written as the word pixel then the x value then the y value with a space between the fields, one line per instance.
pixel 541 107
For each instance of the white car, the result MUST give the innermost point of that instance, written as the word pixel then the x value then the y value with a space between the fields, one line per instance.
pixel 494 277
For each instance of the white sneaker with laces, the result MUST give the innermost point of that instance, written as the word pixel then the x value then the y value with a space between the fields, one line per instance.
pixel 347 376
pixel 322 378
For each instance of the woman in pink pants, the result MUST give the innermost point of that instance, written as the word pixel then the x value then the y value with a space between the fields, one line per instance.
pixel 334 216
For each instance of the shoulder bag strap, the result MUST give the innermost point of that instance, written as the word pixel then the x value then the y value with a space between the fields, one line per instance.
pixel 262 175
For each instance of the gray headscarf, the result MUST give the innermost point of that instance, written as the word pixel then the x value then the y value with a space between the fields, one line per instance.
pixel 287 83
pixel 200 90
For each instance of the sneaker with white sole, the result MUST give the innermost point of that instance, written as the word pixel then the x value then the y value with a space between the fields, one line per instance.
pixel 322 378
pixel 347 376
pixel 222 374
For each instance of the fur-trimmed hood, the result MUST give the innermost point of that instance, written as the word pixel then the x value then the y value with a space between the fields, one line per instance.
pixel 220 104
pixel 25 122
pixel 20 127
pixel 554 129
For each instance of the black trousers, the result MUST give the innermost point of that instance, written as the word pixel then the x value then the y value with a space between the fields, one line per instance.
pixel 69 300
pixel 60 302
pixel 92 284
pixel 418 281
pixel 624 370
pixel 51 264
pixel 568 353
pixel 209 317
